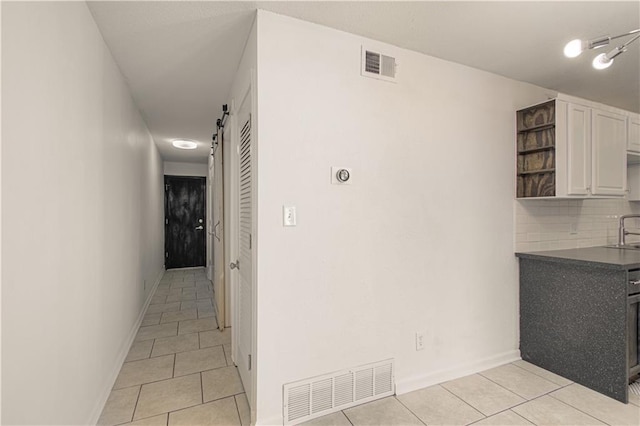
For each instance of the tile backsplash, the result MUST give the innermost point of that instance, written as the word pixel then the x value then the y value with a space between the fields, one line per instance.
pixel 562 224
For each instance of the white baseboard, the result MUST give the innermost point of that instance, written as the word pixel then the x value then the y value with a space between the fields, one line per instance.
pixel 440 376
pixel 122 355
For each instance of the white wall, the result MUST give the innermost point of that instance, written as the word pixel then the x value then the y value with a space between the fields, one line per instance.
pixel 185 169
pixel 421 241
pixel 240 88
pixel 563 224
pixel 82 215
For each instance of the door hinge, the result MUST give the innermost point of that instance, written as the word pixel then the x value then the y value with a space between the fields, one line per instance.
pixel 249 241
pixel 166 186
pixel 166 221
pixel 249 362
pixel 166 254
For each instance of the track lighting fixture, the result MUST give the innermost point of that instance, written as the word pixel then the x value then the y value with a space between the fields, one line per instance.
pixel 604 60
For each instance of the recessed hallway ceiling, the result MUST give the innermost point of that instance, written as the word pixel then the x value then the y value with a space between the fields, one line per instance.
pixel 179 58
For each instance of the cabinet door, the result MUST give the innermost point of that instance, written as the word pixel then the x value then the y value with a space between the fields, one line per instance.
pixel 609 153
pixel 634 133
pixel 634 182
pixel 578 149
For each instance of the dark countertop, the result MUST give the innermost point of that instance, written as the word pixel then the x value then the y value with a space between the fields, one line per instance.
pixel 603 257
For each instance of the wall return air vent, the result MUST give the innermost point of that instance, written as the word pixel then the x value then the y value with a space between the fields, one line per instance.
pixel 378 65
pixel 307 399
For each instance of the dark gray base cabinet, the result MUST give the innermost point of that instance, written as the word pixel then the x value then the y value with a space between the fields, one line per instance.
pixel 573 321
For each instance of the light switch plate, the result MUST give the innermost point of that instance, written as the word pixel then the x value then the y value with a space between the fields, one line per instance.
pixel 289 216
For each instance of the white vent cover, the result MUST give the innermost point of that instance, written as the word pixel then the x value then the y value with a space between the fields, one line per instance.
pixel 378 65
pixel 307 399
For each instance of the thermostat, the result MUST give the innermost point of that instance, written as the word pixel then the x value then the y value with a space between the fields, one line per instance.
pixel 341 175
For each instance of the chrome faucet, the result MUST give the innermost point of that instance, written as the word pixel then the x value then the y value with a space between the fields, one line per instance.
pixel 622 232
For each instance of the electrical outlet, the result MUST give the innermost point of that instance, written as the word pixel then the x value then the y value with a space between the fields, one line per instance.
pixel 573 228
pixel 289 216
pixel 419 340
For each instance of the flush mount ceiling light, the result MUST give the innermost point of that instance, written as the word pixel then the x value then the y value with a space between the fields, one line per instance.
pixel 604 60
pixel 184 144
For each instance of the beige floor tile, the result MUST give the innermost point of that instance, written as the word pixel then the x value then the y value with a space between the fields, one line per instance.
pixel 634 399
pixel 158 299
pixel 169 395
pixel 192 326
pixel 215 338
pixel 222 412
pixel 189 291
pixel 157 331
pixel 184 297
pixel 220 383
pixel 182 284
pixel 204 303
pixel 151 319
pixel 145 371
pixel 162 291
pixel 160 420
pixel 519 381
pixel 189 314
pixel 174 298
pixel 552 377
pixel 206 312
pixel 175 344
pixel 482 394
pixel 167 307
pixel 599 406
pixel 388 411
pixel 139 350
pixel 119 407
pixel 227 353
pixel 506 418
pixel 549 411
pixel 199 360
pixel 189 304
pixel 333 419
pixel 204 294
pixel 243 409
pixel 436 405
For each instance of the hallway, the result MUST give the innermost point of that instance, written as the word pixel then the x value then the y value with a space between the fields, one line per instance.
pixel 179 369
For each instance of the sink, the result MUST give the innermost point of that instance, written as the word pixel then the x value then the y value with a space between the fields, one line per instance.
pixel 630 246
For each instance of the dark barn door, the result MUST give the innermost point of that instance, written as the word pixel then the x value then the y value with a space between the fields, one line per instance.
pixel 184 213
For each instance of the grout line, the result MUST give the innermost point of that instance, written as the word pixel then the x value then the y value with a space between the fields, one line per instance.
pixel 201 388
pixel 174 366
pixel 514 392
pixel 464 402
pixel 394 396
pixel 135 407
pixel 541 376
pixel 237 409
pixel 576 408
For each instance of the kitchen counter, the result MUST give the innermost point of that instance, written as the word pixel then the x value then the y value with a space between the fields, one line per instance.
pixel 604 257
pixel 573 314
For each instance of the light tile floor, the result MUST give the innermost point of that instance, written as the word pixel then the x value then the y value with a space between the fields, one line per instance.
pixel 514 394
pixel 179 369
pixel 179 372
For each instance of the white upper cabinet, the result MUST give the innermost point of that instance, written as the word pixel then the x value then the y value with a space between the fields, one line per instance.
pixel 578 142
pixel 634 133
pixel 572 148
pixel 609 153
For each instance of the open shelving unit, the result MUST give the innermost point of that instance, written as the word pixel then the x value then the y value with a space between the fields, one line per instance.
pixel 536 151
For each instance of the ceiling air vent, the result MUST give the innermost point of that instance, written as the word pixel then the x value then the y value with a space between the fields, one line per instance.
pixel 378 65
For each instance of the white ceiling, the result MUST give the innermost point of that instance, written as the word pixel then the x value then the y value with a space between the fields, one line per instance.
pixel 179 57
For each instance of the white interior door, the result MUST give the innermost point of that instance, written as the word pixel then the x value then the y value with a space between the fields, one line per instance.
pixel 244 263
pixel 219 264
pixel 228 209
